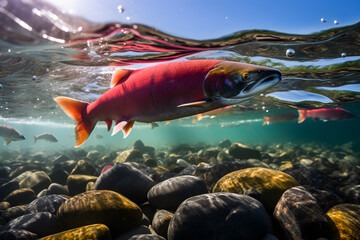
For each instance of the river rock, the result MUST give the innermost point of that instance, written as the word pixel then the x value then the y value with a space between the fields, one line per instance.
pixel 352 194
pixel 59 176
pixel 83 167
pixel 14 212
pixel 37 181
pixel 219 216
pixel 7 188
pixel 48 203
pixel 126 180
pixel 271 183
pixel 20 196
pixel 133 232
pixel 300 216
pixel 56 188
pixel 131 155
pixel 100 206
pixel 212 173
pixel 41 223
pixel 60 159
pixel 26 167
pixel 241 151
pixel 93 156
pixel 161 221
pixel 147 237
pixel 226 143
pixel 67 165
pixel 77 183
pixel 4 205
pixel 93 232
pixel 17 234
pixel 344 221
pixel 170 193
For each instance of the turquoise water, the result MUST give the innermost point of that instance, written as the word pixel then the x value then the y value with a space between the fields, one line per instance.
pixel 72 56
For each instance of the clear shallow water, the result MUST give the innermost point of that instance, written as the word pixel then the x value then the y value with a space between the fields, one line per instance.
pixel 74 57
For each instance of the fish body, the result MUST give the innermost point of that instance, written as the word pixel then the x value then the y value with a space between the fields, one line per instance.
pixel 325 114
pixel 287 117
pixel 168 91
pixel 10 134
pixel 45 136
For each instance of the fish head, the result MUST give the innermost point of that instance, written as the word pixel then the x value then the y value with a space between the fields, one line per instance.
pixel 232 82
pixel 348 115
pixel 16 136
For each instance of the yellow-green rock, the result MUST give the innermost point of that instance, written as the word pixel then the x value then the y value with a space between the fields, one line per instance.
pixel 271 183
pixel 90 232
pixel 100 206
pixel 344 221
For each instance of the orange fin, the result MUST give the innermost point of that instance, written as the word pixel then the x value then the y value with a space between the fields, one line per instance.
pixel 108 123
pixel 302 116
pixel 167 122
pixel 124 126
pixel 7 142
pixel 120 76
pixel 199 103
pixel 74 109
pixel 266 121
pixel 127 128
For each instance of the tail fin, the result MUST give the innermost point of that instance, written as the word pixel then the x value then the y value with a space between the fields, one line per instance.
pixel 74 109
pixel 35 139
pixel 266 121
pixel 302 116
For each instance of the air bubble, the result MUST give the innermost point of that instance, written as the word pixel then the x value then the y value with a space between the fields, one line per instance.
pixel 343 54
pixel 135 27
pixel 263 107
pixel 34 78
pixel 290 52
pixel 9 50
pixel 0 86
pixel 336 22
pixel 323 20
pixel 127 18
pixel 120 9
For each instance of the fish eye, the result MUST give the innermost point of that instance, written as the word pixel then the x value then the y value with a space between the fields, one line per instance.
pixel 246 77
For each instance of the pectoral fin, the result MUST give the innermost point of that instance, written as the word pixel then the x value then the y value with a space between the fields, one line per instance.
pixel 7 142
pixel 198 103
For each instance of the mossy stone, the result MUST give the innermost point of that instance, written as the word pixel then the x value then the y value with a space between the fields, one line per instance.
pixel 271 183
pixel 344 221
pixel 90 232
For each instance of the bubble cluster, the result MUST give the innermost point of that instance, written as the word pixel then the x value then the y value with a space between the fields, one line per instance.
pixel 290 52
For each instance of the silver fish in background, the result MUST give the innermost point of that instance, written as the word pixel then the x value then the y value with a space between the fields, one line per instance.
pixel 45 136
pixel 10 134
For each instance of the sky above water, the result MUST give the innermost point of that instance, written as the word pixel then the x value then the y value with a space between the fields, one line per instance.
pixel 210 19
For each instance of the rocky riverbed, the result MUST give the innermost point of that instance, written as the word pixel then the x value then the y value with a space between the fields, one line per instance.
pixel 227 190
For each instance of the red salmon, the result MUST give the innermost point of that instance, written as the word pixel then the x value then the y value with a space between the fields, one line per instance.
pixel 325 114
pixel 168 91
pixel 287 117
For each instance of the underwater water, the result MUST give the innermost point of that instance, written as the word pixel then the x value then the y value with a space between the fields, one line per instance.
pixel 54 48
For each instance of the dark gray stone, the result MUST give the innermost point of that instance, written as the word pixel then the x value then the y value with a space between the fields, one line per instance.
pixel 17 234
pixel 147 237
pixel 300 216
pixel 56 188
pixel 170 193
pixel 219 216
pixel 20 197
pixel 41 223
pixel 8 188
pixel 14 212
pixel 240 151
pixel 226 143
pixel 126 180
pixel 161 222
pixel 48 203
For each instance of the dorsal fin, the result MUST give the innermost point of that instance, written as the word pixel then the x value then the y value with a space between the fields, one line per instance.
pixel 120 76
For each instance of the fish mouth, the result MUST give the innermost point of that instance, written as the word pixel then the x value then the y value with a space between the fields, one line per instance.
pixel 264 83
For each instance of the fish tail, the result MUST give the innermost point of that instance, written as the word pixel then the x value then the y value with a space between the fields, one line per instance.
pixel 74 109
pixel 266 121
pixel 302 116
